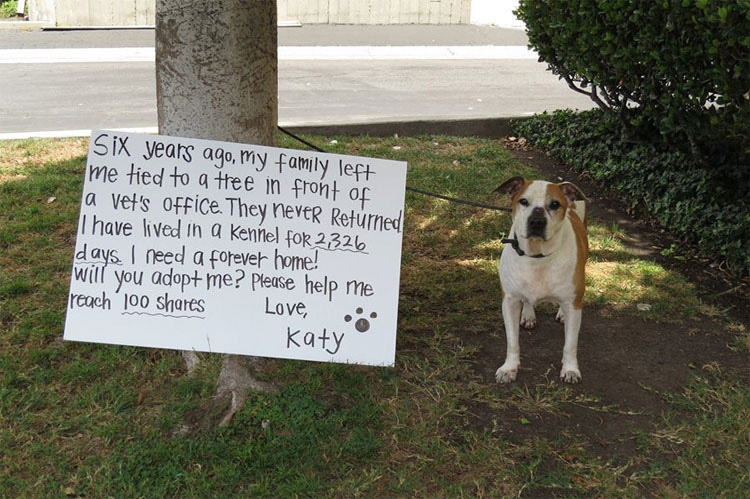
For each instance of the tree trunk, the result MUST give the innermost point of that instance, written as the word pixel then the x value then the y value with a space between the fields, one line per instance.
pixel 216 78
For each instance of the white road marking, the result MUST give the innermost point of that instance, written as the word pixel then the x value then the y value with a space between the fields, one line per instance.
pixel 287 53
pixel 59 134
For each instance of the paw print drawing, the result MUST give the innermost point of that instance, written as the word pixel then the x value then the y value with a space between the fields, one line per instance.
pixel 361 324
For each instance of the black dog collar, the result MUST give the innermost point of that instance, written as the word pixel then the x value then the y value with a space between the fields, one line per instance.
pixel 514 243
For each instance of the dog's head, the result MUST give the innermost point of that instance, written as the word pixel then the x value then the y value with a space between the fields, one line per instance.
pixel 539 207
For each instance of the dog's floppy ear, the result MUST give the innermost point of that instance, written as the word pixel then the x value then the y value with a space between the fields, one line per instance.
pixel 572 192
pixel 511 186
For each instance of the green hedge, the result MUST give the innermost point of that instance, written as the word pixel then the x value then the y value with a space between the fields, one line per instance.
pixel 701 205
pixel 8 8
pixel 685 65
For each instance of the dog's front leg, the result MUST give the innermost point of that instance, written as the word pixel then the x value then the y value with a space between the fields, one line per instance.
pixel 512 317
pixel 570 372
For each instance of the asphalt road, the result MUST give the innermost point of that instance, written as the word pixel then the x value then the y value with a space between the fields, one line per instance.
pixel 320 34
pixel 81 96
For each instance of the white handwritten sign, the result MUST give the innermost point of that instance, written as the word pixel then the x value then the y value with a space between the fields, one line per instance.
pixel 233 248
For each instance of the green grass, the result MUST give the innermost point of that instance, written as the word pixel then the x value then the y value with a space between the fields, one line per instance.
pixel 97 420
pixel 710 448
pixel 620 280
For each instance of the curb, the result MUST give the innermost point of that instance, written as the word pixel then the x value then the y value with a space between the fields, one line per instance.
pixel 280 24
pixel 491 128
pixel 24 25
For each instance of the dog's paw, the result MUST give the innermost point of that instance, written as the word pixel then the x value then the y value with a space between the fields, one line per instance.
pixel 560 317
pixel 506 374
pixel 528 322
pixel 528 316
pixel 569 375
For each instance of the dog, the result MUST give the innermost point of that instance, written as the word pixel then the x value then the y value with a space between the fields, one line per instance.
pixel 543 260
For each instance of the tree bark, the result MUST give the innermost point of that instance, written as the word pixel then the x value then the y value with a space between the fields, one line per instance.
pixel 216 78
pixel 216 69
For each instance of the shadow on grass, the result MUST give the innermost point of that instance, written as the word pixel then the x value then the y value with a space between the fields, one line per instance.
pixel 97 419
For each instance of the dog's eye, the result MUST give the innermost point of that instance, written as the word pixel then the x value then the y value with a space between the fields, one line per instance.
pixel 554 205
pixel 523 202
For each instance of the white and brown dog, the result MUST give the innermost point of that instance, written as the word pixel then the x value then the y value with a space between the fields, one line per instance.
pixel 543 261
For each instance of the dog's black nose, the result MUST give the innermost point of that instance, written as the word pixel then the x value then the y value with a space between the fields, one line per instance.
pixel 537 223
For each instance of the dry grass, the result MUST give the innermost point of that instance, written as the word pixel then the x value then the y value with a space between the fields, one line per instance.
pixel 18 158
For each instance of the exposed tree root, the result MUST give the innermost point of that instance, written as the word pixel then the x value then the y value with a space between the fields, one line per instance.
pixel 191 361
pixel 238 376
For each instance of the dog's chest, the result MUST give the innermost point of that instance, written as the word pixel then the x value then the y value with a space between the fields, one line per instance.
pixel 536 281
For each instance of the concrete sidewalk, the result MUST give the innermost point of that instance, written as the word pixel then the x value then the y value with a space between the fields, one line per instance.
pixel 332 79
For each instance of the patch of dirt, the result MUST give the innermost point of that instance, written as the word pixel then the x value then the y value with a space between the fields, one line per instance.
pixel 627 362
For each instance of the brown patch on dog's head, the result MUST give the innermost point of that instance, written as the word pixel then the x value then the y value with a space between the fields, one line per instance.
pixel 514 187
pixel 556 194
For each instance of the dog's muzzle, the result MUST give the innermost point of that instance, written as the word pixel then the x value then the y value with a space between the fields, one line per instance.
pixel 536 225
